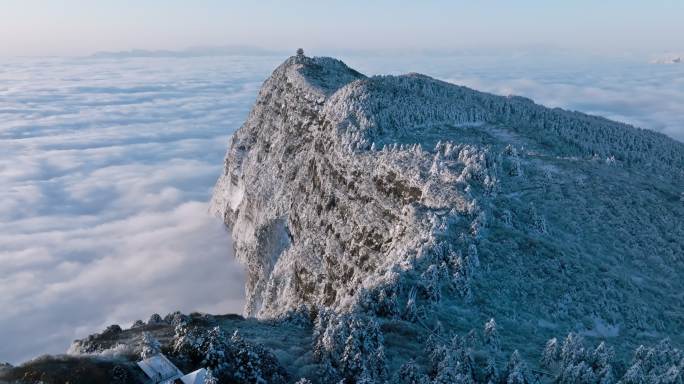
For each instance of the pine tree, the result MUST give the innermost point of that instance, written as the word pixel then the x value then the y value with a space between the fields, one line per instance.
pixel 516 370
pixel 472 339
pixel 572 351
pixel 473 260
pixel 149 346
pixel 209 377
pixel 379 365
pixel 214 349
pixel 490 373
pixel 328 373
pixel 411 310
pixel 551 353
pixel 387 304
pixel 430 282
pixel 491 336
pixel 155 319
pixel 408 374
pixel 602 357
pixel 577 373
pixel 659 364
pixel 634 375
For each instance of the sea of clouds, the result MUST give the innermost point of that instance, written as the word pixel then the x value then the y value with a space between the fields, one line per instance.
pixel 107 165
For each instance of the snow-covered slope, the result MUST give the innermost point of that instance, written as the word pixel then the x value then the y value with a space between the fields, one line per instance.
pixel 341 189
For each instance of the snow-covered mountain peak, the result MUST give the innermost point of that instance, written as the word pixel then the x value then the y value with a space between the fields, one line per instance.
pixel 320 76
pixel 411 198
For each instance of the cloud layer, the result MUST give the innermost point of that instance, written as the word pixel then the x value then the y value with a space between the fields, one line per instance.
pixel 106 167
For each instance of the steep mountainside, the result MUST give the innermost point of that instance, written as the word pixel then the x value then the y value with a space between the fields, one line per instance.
pixel 344 191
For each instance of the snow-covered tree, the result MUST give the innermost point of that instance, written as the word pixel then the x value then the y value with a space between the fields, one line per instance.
pixel 209 377
pixel 507 218
pixel 387 305
pixel 491 336
pixel 551 354
pixel 452 362
pixel 472 339
pixel 516 370
pixel 155 319
pixel 473 260
pixel 328 373
pixel 232 357
pixel 409 374
pixel 431 283
pixel 634 375
pixel 149 346
pixel 574 363
pixel 573 351
pixel 659 364
pixel 352 346
pixel 538 223
pixel 215 349
pixel 577 373
pixel 602 356
pixel 411 309
pixel 490 374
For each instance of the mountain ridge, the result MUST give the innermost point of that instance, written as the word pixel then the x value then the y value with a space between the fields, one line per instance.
pixel 352 116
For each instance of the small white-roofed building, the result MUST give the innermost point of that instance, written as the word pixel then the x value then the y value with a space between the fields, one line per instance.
pixel 160 370
pixel 196 377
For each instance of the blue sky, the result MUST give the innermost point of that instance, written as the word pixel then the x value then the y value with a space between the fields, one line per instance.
pixel 75 27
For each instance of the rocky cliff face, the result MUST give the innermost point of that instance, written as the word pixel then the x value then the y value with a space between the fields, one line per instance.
pixel 320 212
